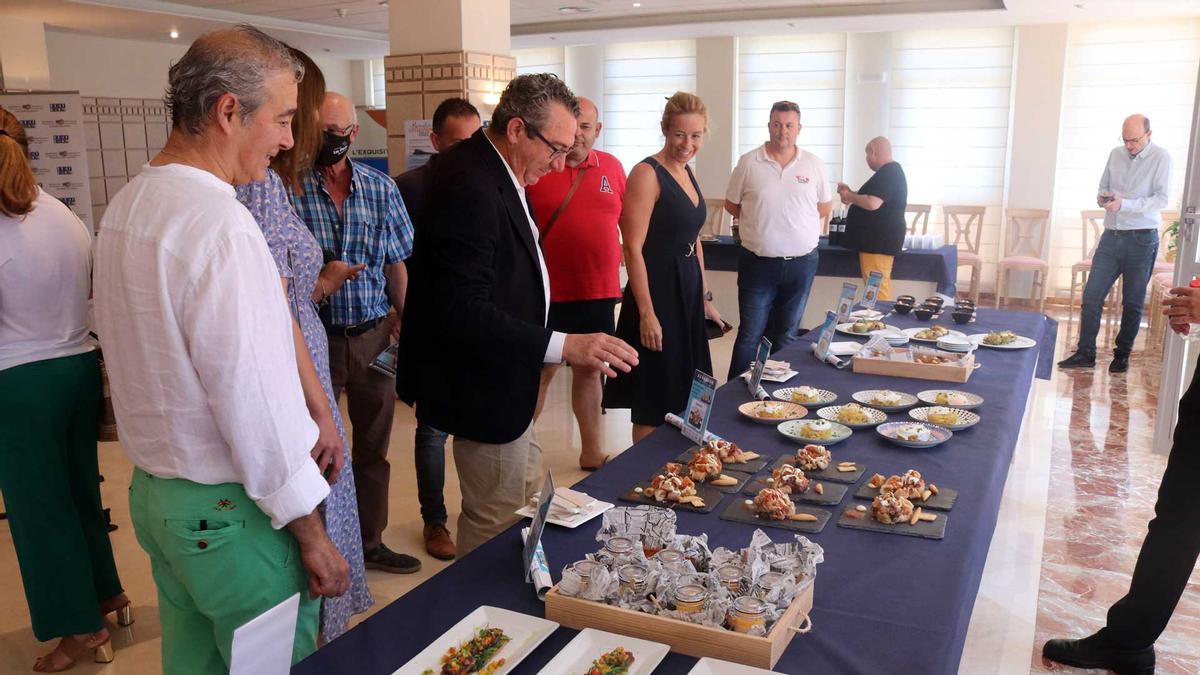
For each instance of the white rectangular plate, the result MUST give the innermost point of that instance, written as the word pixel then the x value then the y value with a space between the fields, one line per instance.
pixel 779 378
pixel 559 517
pixel 527 632
pixel 708 666
pixel 590 644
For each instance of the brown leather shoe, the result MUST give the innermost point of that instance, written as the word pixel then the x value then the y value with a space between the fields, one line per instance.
pixel 438 542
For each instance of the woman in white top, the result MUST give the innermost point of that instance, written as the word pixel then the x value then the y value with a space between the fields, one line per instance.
pixel 49 404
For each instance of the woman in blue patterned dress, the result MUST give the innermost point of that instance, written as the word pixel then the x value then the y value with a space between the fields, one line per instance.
pixel 306 282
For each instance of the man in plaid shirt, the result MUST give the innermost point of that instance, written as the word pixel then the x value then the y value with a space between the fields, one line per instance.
pixel 358 216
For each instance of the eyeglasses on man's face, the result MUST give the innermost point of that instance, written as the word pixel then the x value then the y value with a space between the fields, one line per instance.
pixel 340 131
pixel 1133 141
pixel 555 151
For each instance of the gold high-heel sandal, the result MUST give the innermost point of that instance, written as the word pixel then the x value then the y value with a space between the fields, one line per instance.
pixel 125 615
pixel 102 652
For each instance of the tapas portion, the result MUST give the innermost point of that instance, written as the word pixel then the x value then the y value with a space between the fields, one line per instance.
pixel 953 419
pixel 950 397
pixel 914 435
pixel 817 463
pixel 775 508
pixel 885 399
pixel 805 395
pixel 771 412
pixel 912 486
pixel 815 431
pixel 853 415
pixel 1002 339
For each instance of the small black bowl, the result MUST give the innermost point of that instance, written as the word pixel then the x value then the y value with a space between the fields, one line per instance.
pixel 902 308
pixel 924 313
pixel 906 299
pixel 934 301
pixel 963 315
pixel 967 305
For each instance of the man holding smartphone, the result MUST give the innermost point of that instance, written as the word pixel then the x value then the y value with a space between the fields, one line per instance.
pixel 1133 192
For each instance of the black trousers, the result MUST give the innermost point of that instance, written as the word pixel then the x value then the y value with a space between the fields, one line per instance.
pixel 1172 545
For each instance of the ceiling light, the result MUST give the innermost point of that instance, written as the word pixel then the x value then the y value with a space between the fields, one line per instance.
pixel 637 4
pixel 174 34
pixel 574 9
pixel 341 12
pixel 383 3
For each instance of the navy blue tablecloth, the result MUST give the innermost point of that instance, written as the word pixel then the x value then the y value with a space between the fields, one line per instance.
pixel 939 265
pixel 882 602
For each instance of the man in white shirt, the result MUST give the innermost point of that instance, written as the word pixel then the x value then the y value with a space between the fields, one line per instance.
pixel 779 194
pixel 475 336
pixel 1134 189
pixel 198 345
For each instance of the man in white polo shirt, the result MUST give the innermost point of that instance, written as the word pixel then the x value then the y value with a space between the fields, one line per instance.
pixel 779 194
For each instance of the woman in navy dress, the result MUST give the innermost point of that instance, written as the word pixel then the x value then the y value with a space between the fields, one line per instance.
pixel 665 305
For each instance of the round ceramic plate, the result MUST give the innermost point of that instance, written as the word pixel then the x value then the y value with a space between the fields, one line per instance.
pixel 930 396
pixel 966 418
pixel 874 417
pixel 772 412
pixel 824 396
pixel 866 315
pixel 912 334
pixel 844 328
pixel 867 398
pixel 1021 342
pixel 938 435
pixel 795 431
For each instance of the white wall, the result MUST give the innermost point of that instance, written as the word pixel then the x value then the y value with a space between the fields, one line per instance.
pixel 23 55
pixel 717 84
pixel 114 68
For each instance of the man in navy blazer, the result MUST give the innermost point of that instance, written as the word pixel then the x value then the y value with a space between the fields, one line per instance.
pixel 475 336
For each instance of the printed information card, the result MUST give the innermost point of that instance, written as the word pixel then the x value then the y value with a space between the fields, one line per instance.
pixel 699 407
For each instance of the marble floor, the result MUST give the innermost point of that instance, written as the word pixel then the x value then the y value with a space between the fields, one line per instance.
pixel 1098 468
pixel 1103 481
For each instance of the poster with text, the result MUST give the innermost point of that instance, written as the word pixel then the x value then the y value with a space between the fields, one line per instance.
pixel 53 123
pixel 871 292
pixel 826 335
pixel 846 300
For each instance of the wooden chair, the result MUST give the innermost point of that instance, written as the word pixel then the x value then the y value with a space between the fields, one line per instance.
pixel 1025 239
pixel 714 224
pixel 967 224
pixel 1160 284
pixel 1162 264
pixel 1091 227
pixel 920 216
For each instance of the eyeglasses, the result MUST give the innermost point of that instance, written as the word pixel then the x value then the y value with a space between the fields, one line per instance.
pixel 1132 141
pixel 344 131
pixel 555 151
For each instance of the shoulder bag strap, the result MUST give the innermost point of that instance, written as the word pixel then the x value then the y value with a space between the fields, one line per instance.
pixel 563 206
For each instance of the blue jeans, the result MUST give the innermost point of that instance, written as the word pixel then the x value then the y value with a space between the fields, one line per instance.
pixel 772 293
pixel 429 449
pixel 1120 253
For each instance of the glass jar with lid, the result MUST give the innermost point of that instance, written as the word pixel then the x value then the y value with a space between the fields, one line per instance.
pixel 746 613
pixel 690 598
pixel 633 578
pixel 584 569
pixel 618 549
pixel 731 576
pixel 767 582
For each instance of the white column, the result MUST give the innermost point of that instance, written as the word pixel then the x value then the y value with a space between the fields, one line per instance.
pixel 1041 53
pixel 868 100
pixel 717 84
pixel 583 71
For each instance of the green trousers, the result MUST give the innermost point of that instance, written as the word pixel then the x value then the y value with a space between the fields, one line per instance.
pixel 51 483
pixel 217 563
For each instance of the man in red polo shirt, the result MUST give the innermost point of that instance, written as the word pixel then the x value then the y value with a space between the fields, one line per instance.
pixel 577 211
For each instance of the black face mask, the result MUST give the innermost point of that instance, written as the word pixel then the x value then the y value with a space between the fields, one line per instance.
pixel 333 149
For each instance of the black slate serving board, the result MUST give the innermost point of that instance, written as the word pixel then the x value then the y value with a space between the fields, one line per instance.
pixel 738 512
pixel 710 496
pixel 923 529
pixel 833 491
pixel 942 501
pixel 747 467
pixel 829 473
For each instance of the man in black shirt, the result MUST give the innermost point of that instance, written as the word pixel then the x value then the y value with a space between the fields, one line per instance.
pixel 454 120
pixel 875 225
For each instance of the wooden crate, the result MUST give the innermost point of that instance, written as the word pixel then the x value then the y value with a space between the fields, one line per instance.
pixel 683 637
pixel 960 372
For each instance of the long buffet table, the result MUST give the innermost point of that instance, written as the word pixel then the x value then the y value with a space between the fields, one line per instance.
pixel 882 603
pixel 938 266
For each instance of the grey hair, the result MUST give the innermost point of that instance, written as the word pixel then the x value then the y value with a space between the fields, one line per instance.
pixel 528 97
pixel 235 61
